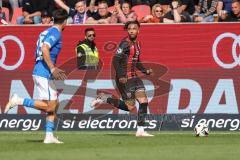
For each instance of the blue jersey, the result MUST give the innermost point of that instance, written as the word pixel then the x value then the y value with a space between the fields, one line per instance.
pixel 52 37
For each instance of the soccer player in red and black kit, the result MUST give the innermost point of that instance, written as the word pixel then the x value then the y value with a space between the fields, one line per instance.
pixel 126 62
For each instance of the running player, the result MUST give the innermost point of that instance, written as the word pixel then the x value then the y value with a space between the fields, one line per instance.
pixel 48 47
pixel 126 62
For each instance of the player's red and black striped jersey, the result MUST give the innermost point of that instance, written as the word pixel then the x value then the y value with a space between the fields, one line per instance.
pixel 126 61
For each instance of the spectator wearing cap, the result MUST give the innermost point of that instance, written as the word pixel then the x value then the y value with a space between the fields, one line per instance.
pixel 46 17
pixel 31 12
pixel 123 13
pixel 155 17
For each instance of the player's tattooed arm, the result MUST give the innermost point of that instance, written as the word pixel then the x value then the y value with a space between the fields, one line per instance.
pixel 56 72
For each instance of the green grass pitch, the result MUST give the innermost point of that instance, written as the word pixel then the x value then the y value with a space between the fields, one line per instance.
pixel 120 145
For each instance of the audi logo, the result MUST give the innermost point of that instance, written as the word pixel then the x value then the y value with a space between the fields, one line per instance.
pixel 235 56
pixel 4 52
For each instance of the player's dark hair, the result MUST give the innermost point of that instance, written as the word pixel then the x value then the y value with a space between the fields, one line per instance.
pixel 89 29
pixel 131 22
pixel 59 16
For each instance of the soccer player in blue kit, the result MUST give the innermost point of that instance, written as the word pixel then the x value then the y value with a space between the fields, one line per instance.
pixel 48 48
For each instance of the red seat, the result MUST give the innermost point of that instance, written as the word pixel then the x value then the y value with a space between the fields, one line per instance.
pixel 142 11
pixel 17 12
pixel 6 11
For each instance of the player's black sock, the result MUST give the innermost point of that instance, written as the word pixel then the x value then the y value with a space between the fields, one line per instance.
pixel 142 112
pixel 117 103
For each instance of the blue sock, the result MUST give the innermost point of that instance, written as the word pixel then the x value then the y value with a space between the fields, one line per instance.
pixel 49 126
pixel 28 102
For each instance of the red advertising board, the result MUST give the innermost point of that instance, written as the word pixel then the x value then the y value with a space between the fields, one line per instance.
pixel 195 67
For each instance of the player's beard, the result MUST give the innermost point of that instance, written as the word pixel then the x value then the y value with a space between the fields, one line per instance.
pixel 132 37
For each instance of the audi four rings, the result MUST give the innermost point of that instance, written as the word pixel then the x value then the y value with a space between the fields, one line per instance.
pixel 4 52
pixel 235 56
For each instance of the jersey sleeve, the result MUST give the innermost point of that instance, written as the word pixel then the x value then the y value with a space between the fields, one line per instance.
pixel 52 38
pixel 120 59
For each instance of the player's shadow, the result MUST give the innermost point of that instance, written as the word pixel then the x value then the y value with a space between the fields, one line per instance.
pixel 34 141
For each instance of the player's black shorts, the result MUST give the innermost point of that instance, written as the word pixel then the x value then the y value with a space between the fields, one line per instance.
pixel 129 89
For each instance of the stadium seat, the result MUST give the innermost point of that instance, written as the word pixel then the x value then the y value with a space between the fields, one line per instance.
pixel 16 13
pixel 111 9
pixel 142 10
pixel 6 11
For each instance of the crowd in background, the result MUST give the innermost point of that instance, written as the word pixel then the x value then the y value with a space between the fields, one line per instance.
pixel 120 11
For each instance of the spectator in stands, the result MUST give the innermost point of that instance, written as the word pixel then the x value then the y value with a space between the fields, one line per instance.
pixel 2 17
pixel 46 17
pixel 101 16
pixel 174 16
pixel 224 6
pixel 234 15
pixel 31 12
pixel 78 14
pixel 123 13
pixel 205 10
pixel 187 6
pixel 155 17
pixel 165 4
pixel 2 14
pixel 13 3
